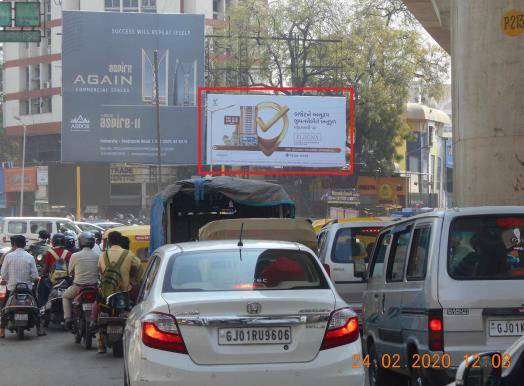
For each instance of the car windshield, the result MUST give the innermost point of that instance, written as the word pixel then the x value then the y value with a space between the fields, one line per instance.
pixel 486 247
pixel 354 244
pixel 246 270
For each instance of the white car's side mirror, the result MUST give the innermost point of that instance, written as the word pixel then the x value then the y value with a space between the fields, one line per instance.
pixel 480 370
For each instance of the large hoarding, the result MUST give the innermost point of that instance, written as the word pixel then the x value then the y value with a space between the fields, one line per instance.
pixel 276 130
pixel 108 78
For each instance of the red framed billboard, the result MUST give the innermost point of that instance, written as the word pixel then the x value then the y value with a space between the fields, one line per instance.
pixel 350 96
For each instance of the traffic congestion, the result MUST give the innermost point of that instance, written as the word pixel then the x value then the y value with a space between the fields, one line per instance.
pixel 228 299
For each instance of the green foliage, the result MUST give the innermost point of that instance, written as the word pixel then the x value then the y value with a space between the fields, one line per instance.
pixel 374 45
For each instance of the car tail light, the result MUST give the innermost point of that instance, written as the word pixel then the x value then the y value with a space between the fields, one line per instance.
pixel 161 331
pixel 328 269
pixel 342 329
pixel 436 330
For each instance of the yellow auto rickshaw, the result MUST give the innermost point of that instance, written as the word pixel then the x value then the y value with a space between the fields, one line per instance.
pixel 138 240
pixel 278 229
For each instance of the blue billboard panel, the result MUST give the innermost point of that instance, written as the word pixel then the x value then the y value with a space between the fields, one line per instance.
pixel 109 86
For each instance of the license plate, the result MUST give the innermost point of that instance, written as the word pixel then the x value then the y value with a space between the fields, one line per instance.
pixel 87 306
pixel 21 317
pixel 506 327
pixel 254 335
pixel 114 330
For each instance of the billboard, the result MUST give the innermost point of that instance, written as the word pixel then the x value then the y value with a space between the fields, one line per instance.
pixel 276 130
pixel 109 94
pixel 13 180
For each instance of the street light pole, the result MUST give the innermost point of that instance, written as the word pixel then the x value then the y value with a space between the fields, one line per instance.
pixel 158 139
pixel 22 180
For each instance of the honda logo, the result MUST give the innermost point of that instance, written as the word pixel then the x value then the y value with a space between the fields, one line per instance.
pixel 254 308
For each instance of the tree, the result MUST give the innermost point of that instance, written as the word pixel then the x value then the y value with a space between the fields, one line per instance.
pixel 373 45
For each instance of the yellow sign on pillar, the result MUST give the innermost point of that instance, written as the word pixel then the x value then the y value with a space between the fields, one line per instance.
pixel 512 23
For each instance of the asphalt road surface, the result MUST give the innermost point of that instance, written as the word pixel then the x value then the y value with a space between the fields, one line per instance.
pixel 55 360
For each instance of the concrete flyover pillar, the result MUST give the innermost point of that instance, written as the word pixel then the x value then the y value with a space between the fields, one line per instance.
pixel 488 112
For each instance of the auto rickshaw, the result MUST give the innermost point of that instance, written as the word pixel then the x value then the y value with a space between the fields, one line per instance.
pixel 138 240
pixel 278 229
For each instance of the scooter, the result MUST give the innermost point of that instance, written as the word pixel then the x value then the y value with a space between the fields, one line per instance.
pixel 20 310
pixel 112 320
pixel 53 310
pixel 82 306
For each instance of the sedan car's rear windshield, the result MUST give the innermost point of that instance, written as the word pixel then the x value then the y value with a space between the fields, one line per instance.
pixel 246 270
pixel 486 248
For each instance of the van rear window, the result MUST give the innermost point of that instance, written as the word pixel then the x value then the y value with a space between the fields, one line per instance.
pixel 486 248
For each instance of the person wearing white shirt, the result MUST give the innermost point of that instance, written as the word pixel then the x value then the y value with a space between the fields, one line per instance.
pixel 18 267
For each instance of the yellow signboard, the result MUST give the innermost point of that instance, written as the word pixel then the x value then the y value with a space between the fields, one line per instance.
pixel 512 23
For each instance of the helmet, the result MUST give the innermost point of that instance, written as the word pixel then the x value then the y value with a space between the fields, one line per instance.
pixel 70 242
pixel 58 240
pixel 86 240
pixel 98 235
pixel 43 235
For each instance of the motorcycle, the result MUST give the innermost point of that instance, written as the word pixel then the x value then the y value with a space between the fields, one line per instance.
pixel 53 310
pixel 82 306
pixel 112 320
pixel 20 310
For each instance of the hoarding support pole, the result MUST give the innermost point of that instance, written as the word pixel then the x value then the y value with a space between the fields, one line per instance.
pixel 78 197
pixel 157 103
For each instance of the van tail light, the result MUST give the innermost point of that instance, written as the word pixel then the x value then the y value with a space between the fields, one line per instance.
pixel 342 329
pixel 436 330
pixel 328 269
pixel 160 331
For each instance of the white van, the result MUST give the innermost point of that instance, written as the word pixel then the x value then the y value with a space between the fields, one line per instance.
pixel 341 244
pixel 440 287
pixel 30 226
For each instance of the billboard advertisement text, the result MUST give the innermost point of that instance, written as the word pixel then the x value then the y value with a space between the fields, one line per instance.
pixel 109 93
pixel 276 130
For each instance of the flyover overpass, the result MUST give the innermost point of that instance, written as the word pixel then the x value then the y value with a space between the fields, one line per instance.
pixel 486 41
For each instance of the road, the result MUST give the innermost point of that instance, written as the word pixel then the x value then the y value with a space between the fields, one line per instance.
pixel 55 360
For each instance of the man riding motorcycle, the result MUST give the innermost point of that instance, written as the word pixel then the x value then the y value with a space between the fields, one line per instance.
pixel 42 245
pixel 83 266
pixel 55 267
pixel 19 267
pixel 124 263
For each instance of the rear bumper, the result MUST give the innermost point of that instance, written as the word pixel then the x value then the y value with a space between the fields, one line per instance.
pixel 331 367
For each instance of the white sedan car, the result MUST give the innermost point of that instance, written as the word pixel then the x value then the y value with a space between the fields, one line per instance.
pixel 229 313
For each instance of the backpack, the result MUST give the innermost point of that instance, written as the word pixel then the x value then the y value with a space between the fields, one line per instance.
pixel 60 270
pixel 111 280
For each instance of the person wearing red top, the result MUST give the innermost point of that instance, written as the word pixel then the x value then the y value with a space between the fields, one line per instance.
pixel 58 251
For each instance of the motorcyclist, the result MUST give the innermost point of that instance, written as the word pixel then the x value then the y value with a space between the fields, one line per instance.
pixel 19 267
pixel 41 245
pixel 70 241
pixel 55 266
pixel 129 267
pixel 83 266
